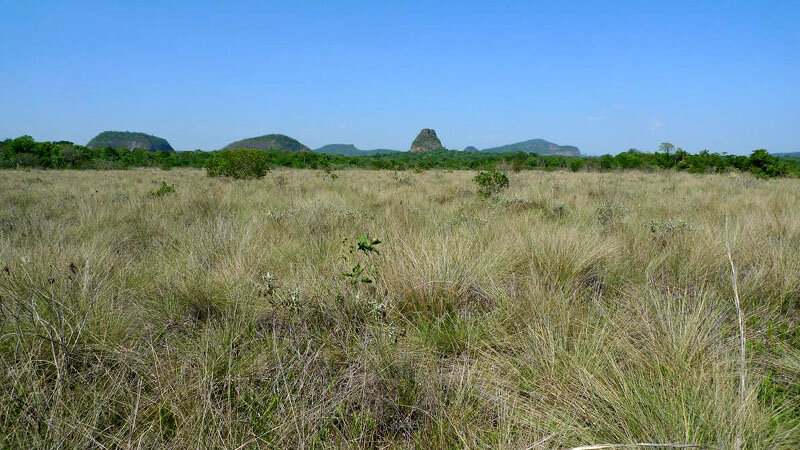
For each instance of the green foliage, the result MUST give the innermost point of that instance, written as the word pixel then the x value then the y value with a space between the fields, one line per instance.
pixel 490 183
pixel 163 190
pixel 576 164
pixel 361 269
pixel 25 152
pixel 350 150
pixel 22 144
pixel 367 245
pixel 764 165
pixel 242 163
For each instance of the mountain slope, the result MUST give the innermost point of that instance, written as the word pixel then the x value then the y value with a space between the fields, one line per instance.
pixel 538 146
pixel 269 141
pixel 130 140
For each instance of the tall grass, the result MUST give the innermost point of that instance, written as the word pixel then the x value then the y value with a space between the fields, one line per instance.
pixel 553 315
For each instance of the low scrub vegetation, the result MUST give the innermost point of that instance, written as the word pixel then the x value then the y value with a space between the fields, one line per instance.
pixel 490 183
pixel 24 152
pixel 163 190
pixel 240 163
pixel 395 310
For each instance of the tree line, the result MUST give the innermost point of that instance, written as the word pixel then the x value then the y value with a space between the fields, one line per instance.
pixel 25 152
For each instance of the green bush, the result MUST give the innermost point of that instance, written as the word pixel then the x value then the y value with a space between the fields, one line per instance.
pixel 764 165
pixel 490 183
pixel 575 164
pixel 609 213
pixel 669 230
pixel 241 163
pixel 163 190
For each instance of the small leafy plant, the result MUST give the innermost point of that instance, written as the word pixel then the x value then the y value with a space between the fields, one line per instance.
pixel 609 213
pixel 668 230
pixel 163 190
pixel 490 183
pixel 361 273
pixel 330 174
pixel 559 210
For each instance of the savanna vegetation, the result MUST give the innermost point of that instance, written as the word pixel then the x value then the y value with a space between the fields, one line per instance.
pixel 24 152
pixel 363 309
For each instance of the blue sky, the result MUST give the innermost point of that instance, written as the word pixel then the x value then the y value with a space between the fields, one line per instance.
pixel 604 76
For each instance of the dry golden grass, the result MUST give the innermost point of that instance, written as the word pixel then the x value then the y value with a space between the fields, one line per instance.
pixel 573 309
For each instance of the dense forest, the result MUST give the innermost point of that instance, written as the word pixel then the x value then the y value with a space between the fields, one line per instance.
pixel 25 152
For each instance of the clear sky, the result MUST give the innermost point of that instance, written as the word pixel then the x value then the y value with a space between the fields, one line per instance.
pixel 604 76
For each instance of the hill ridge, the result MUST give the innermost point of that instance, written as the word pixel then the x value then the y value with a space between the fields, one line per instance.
pixel 269 141
pixel 131 140
pixel 538 146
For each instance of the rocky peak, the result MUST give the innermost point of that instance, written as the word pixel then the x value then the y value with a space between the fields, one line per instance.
pixel 426 141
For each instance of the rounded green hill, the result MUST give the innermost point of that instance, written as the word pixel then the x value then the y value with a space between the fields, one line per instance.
pixel 130 140
pixel 269 142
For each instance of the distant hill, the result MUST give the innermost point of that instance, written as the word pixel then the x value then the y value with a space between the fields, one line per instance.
pixel 471 148
pixel 269 141
pixel 350 150
pixel 538 146
pixel 130 140
pixel 788 155
pixel 426 141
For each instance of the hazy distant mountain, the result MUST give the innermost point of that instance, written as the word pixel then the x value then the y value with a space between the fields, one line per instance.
pixel 788 155
pixel 538 146
pixel 426 141
pixel 471 148
pixel 350 150
pixel 130 140
pixel 269 141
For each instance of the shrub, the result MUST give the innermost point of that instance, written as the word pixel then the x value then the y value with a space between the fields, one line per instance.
pixel 518 204
pixel 559 210
pixel 358 272
pixel 163 190
pixel 490 183
pixel 241 163
pixel 764 165
pixel 608 213
pixel 669 230
pixel 575 164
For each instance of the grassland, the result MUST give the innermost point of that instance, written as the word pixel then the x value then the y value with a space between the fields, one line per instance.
pixel 574 309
